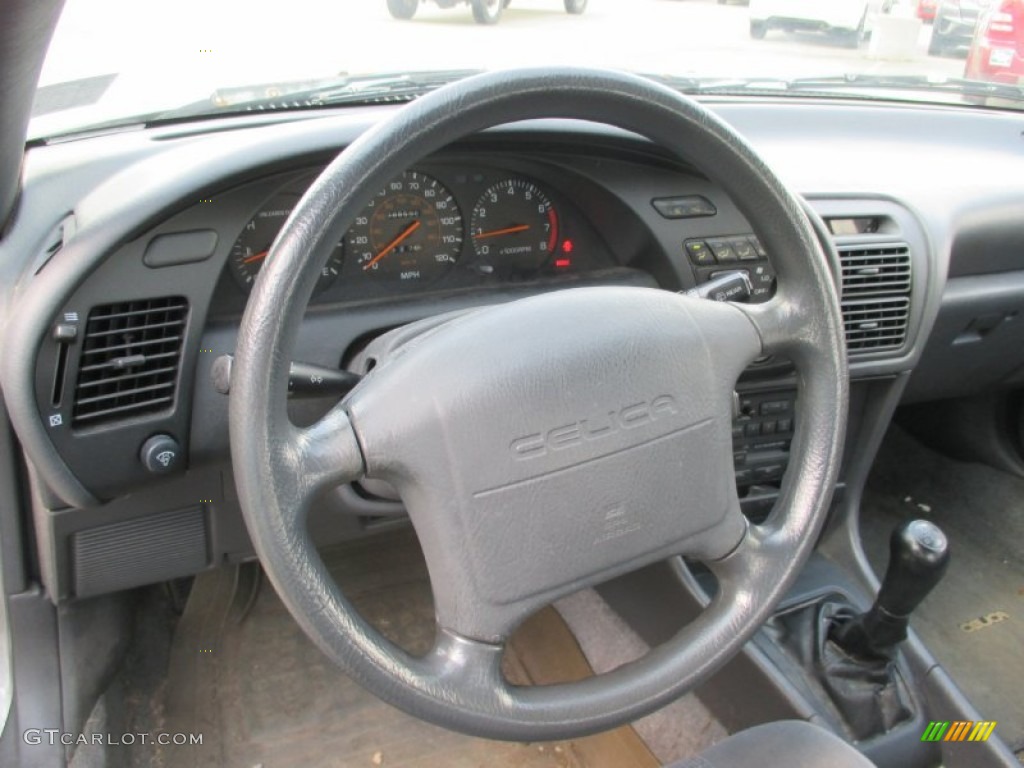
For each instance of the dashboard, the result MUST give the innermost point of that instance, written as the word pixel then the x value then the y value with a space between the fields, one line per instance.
pixel 134 254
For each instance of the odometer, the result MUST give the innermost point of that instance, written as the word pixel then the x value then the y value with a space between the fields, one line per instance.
pixel 410 231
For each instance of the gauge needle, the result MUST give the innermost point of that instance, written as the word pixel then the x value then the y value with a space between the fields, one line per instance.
pixel 506 231
pixel 255 257
pixel 393 244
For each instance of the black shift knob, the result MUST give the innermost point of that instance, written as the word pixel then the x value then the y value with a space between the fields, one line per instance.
pixel 918 557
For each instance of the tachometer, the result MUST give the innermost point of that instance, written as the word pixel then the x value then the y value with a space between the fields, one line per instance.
pixel 250 250
pixel 410 231
pixel 514 227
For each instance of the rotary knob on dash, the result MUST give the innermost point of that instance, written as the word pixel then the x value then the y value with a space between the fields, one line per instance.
pixel 161 454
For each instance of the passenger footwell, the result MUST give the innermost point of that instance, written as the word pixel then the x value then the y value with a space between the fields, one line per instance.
pixel 974 620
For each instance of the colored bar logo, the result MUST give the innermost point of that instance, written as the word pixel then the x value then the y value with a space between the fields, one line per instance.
pixel 958 730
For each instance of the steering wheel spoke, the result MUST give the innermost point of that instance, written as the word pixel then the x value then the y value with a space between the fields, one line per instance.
pixel 760 547
pixel 326 453
pixel 780 324
pixel 462 663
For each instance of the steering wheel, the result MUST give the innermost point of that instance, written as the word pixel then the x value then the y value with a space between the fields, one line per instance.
pixel 547 444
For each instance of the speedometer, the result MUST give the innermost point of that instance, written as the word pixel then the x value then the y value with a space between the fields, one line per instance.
pixel 410 231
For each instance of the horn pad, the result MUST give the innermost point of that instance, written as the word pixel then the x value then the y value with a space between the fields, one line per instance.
pixel 552 442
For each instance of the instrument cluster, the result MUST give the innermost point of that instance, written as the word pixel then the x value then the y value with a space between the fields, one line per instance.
pixel 436 228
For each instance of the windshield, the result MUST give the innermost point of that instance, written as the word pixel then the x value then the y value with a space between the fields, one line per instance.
pixel 122 60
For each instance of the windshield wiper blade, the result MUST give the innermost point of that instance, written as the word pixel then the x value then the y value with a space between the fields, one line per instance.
pixel 342 89
pixel 830 84
pixel 956 85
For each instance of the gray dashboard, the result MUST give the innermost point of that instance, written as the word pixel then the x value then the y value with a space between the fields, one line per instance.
pixel 940 188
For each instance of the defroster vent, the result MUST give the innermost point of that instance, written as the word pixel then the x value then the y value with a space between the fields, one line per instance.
pixel 875 296
pixel 130 359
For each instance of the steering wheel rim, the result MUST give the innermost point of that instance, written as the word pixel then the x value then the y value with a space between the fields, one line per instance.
pixel 279 467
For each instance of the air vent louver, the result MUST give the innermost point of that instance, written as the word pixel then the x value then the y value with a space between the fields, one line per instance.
pixel 876 296
pixel 129 362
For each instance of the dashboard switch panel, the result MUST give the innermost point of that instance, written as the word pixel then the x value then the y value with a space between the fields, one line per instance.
pixel 685 207
pixel 742 252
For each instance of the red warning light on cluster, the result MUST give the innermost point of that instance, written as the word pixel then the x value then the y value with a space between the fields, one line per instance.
pixel 564 262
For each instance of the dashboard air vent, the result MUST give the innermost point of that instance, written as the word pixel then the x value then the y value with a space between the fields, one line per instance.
pixel 129 362
pixel 875 296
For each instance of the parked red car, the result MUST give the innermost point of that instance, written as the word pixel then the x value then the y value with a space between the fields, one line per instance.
pixel 997 52
pixel 926 10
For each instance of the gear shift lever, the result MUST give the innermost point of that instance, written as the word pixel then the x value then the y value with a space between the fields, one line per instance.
pixel 853 656
pixel 918 556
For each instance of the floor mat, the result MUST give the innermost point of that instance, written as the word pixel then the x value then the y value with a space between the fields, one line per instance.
pixel 974 621
pixel 262 695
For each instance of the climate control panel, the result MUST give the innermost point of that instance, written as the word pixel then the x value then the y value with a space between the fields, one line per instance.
pixel 761 436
